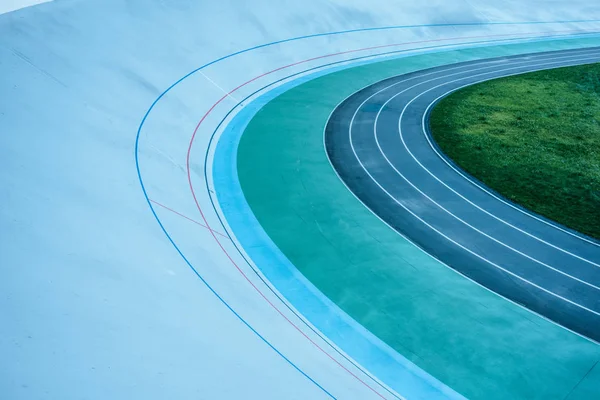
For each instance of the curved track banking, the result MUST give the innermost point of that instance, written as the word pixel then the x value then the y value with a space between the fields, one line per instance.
pixel 116 282
pixel 378 141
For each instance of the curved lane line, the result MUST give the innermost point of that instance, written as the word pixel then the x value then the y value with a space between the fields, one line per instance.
pixel 445 236
pixel 487 212
pixel 442 207
pixel 519 305
pixel 496 196
pixel 480 208
pixel 475 205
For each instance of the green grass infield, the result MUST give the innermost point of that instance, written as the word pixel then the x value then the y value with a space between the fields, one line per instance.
pixel 534 138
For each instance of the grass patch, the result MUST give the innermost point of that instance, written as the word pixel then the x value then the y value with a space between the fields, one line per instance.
pixel 534 138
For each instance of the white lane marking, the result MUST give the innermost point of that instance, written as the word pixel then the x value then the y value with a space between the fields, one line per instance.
pixel 7 6
pixel 450 239
pixel 453 270
pixel 450 188
pixel 228 94
pixel 423 124
pixel 500 198
pixel 436 203
pixel 464 198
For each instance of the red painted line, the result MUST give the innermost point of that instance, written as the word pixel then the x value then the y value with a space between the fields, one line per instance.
pixel 191 143
pixel 189 219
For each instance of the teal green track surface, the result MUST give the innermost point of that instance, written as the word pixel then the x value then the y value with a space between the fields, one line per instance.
pixel 479 344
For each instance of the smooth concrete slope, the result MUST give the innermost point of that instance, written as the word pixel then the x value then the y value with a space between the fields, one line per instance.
pixel 111 290
pixel 478 343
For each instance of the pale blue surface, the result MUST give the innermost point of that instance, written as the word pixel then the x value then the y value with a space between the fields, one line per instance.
pixel 94 301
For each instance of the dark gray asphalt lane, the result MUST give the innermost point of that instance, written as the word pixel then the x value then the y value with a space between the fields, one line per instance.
pixel 379 143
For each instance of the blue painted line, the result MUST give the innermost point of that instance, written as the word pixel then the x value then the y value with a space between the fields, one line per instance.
pixel 137 165
pixel 313 305
pixel 145 117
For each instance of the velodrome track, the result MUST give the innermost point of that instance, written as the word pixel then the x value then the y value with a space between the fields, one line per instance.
pixel 379 143
pixel 98 300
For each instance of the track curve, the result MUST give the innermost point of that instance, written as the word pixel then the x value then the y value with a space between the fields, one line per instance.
pixel 378 142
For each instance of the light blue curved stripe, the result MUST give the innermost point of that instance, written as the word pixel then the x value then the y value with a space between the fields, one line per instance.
pixel 389 366
pixel 369 351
